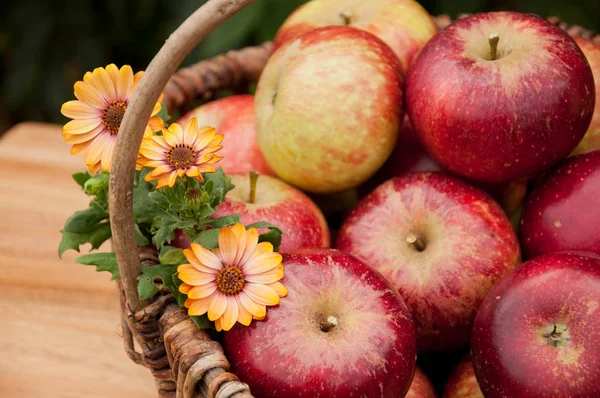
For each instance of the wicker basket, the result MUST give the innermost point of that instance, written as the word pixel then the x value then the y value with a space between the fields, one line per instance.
pixel 184 360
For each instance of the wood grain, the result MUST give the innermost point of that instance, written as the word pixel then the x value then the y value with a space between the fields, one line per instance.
pixel 59 321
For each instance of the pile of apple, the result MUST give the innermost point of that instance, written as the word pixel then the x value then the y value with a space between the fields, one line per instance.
pixel 442 138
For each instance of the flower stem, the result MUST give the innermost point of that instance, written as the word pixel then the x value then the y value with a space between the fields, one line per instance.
pixel 253 179
pixel 493 39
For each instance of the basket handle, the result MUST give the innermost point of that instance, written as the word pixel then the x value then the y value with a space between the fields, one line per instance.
pixel 187 36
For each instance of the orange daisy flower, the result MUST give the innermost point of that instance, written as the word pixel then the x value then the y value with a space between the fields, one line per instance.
pixel 102 99
pixel 177 153
pixel 235 282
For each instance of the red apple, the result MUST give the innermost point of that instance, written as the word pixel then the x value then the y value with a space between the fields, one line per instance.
pixel 328 108
pixel 537 334
pixel 342 331
pixel 560 213
pixel 441 242
pixel 502 110
pixel 591 50
pixel 462 382
pixel 234 118
pixel 421 386
pixel 409 156
pixel 280 204
pixel 402 24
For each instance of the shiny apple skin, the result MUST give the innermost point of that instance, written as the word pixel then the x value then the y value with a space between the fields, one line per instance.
pixel 280 204
pixel 462 382
pixel 561 212
pixel 470 246
pixel 506 119
pixel 591 140
pixel 370 353
pixel 328 107
pixel 409 156
pixel 421 387
pixel 234 118
pixel 511 356
pixel 404 25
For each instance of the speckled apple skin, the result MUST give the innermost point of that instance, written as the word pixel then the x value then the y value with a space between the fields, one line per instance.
pixel 561 212
pixel 462 382
pixel 470 246
pixel 511 358
pixel 282 205
pixel 370 353
pixel 409 156
pixel 405 26
pixel 234 118
pixel 506 119
pixel 328 107
pixel 421 387
pixel 591 140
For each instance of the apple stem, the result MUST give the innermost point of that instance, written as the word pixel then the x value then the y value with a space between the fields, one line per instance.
pixel 253 179
pixel 494 38
pixel 331 322
pixel 345 15
pixel 415 242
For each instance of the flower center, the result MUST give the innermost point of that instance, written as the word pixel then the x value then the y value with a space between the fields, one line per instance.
pixel 112 116
pixel 181 155
pixel 230 280
pixel 193 194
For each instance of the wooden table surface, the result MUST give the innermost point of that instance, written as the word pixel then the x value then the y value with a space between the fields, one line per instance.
pixel 59 323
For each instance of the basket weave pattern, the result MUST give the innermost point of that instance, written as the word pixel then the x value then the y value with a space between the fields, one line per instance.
pixel 187 361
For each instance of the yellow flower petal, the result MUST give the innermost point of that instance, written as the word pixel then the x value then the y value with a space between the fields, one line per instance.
pixel 206 257
pixel 227 246
pixel 218 326
pixel 107 154
pixel 262 263
pixel 190 135
pixel 239 230
pixel 279 288
pixel 265 278
pixel 184 288
pixel 79 110
pixel 113 72
pixel 198 292
pixel 245 317
pixel 89 94
pixel 81 138
pixel 94 168
pixel 198 306
pixel 217 306
pixel 96 148
pixel 250 245
pixel 173 135
pixel 156 123
pixel 80 148
pixel 252 306
pixel 191 171
pixel 104 84
pixel 230 316
pixel 81 126
pixel 124 82
pixel 261 294
pixel 172 179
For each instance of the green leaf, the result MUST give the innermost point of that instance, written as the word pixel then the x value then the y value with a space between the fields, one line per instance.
pixel 140 238
pixel 103 262
pixel 202 322
pixel 219 184
pixel 84 220
pixel 223 221
pixel 172 255
pixel 208 238
pixel 97 186
pixel 144 208
pixel 163 112
pixel 165 232
pixel 96 235
pixel 154 277
pixel 180 297
pixel 81 178
pixel 273 235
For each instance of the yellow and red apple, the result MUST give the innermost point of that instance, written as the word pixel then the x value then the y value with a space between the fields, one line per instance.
pixel 403 25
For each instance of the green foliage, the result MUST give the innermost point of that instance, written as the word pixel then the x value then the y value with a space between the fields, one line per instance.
pixel 154 278
pixel 103 262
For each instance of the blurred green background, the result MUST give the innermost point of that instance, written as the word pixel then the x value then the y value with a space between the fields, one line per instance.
pixel 47 45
